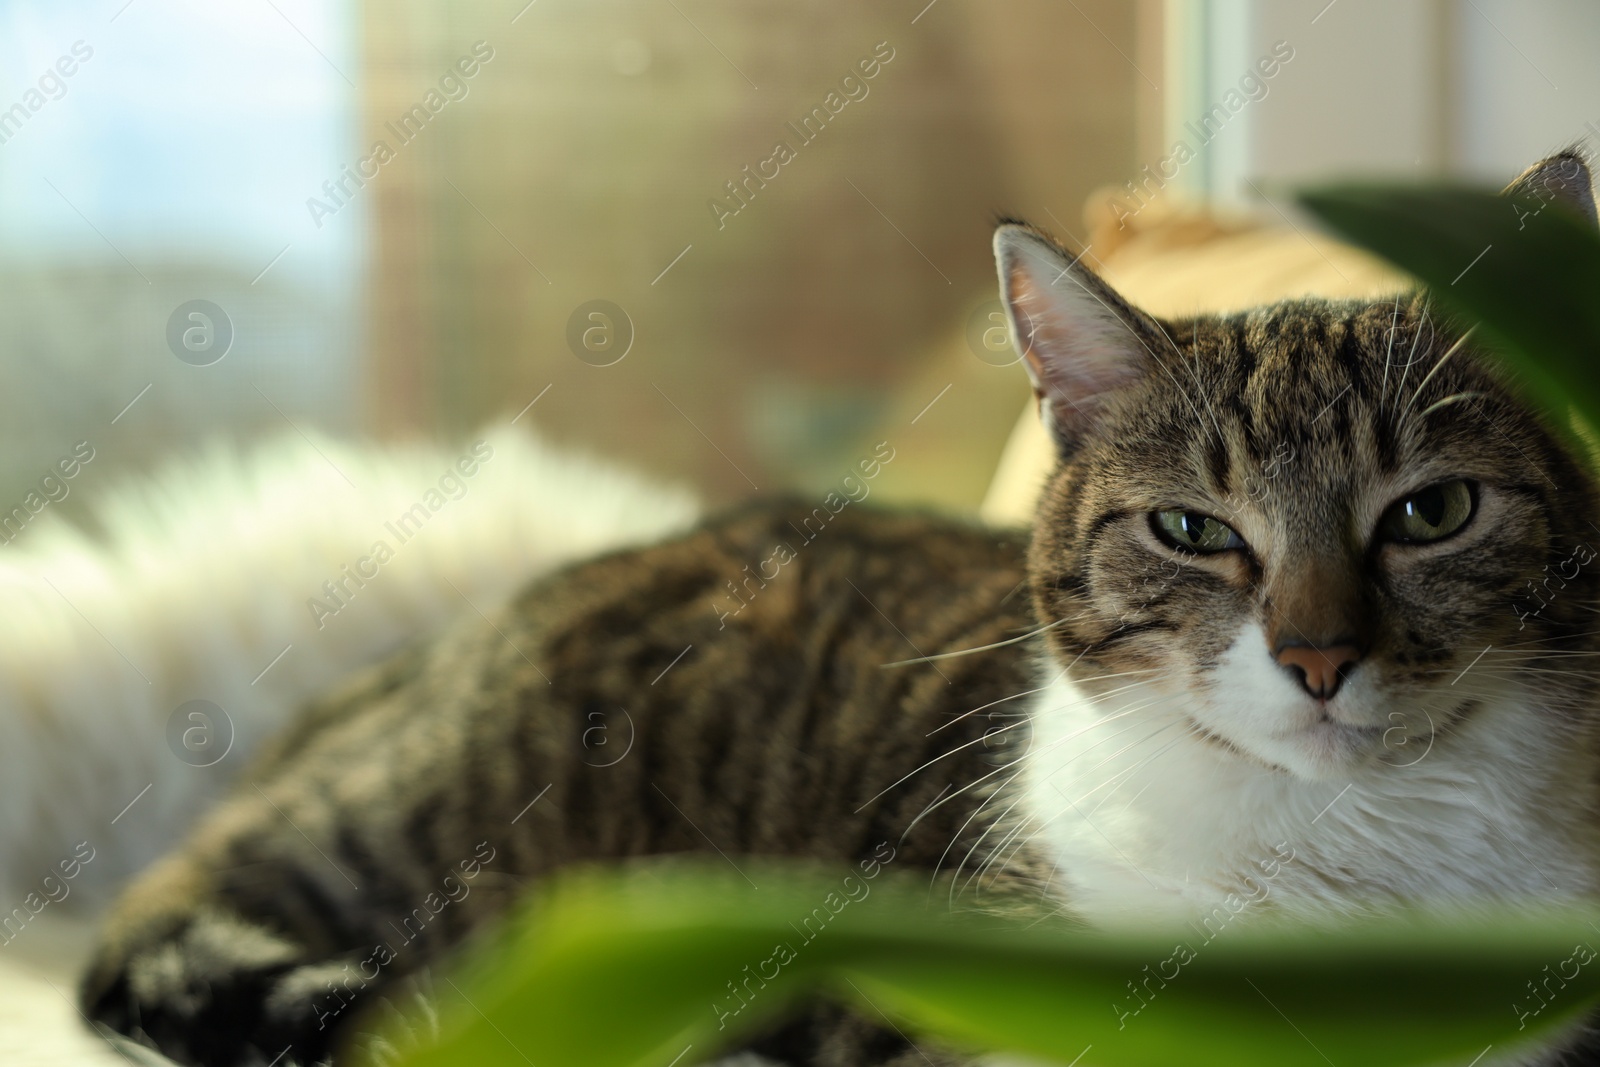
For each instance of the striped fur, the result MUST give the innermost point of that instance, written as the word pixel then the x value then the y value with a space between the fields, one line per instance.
pixel 1464 733
pixel 777 732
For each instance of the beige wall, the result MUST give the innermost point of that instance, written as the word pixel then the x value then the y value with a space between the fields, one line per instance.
pixel 1474 88
pixel 800 331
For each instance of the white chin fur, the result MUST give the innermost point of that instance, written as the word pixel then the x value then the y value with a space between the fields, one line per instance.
pixel 1147 819
pixel 1258 708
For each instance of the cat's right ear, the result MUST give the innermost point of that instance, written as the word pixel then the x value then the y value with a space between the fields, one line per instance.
pixel 1562 178
pixel 1079 340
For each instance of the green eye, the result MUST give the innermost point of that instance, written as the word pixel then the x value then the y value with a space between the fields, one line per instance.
pixel 1193 532
pixel 1430 514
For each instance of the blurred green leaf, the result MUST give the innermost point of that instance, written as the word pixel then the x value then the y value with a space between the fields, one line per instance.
pixel 1528 272
pixel 633 969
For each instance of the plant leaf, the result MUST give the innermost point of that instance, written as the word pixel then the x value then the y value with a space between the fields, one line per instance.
pixel 642 967
pixel 1528 271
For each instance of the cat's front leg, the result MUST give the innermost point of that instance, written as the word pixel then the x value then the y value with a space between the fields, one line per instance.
pixel 258 945
pixel 182 973
pixel 194 965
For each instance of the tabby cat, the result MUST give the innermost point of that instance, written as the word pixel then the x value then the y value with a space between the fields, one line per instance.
pixel 1303 617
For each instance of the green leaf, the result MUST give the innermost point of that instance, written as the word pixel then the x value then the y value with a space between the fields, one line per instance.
pixel 1529 272
pixel 634 970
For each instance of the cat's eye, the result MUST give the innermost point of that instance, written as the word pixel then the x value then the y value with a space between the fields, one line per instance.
pixel 1430 514
pixel 1192 531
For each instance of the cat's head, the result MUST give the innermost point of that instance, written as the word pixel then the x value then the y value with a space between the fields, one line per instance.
pixel 1321 533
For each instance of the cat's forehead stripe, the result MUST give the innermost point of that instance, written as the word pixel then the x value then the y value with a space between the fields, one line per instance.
pixel 1315 371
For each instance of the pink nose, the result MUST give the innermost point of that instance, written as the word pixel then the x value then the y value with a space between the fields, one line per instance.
pixel 1320 670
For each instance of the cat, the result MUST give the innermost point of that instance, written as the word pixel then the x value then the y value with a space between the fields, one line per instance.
pixel 1285 630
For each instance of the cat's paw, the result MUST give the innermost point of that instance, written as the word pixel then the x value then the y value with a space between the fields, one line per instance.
pixel 212 990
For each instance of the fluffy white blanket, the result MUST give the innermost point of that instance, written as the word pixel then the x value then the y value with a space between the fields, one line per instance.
pixel 205 582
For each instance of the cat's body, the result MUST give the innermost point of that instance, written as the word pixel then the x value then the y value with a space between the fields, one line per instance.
pixel 776 732
pixel 1272 632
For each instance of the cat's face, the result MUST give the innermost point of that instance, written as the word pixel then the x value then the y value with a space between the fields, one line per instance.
pixel 1310 536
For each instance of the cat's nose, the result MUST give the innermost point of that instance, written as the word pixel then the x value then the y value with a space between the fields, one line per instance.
pixel 1319 670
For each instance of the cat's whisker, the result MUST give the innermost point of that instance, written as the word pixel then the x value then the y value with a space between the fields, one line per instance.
pixel 1447 401
pixel 992 824
pixel 1144 762
pixel 1519 651
pixel 1100 698
pixel 1575 703
pixel 1139 675
pixel 1112 736
pixel 981 648
pixel 1515 659
pixel 993 862
pixel 1192 732
pixel 1126 748
pixel 1411 357
pixel 1194 372
pixel 1115 674
pixel 1118 714
pixel 1550 696
pixel 1532 651
pixel 1129 773
pixel 1122 711
pixel 976 811
pixel 1073 807
pixel 1157 360
pixel 939 803
pixel 1438 363
pixel 936 759
pixel 1510 669
pixel 1510 672
pixel 1536 646
pixel 1060 741
pixel 1189 730
pixel 992 703
pixel 1388 352
pixel 1103 698
pixel 1001 861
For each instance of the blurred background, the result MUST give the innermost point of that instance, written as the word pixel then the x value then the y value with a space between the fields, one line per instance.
pixel 734 243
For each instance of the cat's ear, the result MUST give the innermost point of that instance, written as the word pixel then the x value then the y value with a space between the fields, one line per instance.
pixel 1564 179
pixel 1079 340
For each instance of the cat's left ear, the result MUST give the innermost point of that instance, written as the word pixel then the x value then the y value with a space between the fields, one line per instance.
pixel 1564 179
pixel 1079 340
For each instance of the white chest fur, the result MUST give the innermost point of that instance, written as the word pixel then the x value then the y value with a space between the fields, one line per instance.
pixel 1145 820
